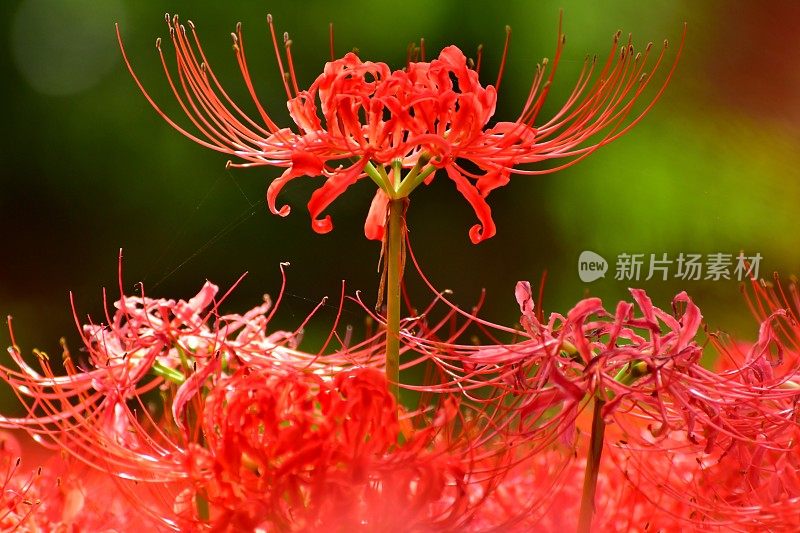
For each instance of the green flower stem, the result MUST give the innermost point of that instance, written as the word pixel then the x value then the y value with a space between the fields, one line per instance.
pixel 631 372
pixel 412 180
pixel 380 177
pixel 627 376
pixel 201 501
pixel 412 174
pixel 397 190
pixel 394 261
pixel 170 374
pixel 592 468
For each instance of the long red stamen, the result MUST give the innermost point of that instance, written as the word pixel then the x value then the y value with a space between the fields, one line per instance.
pixel 278 57
pixel 238 46
pixel 503 59
pixel 287 43
pixel 330 41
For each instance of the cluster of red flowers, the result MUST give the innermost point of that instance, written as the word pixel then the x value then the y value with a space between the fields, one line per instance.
pixel 196 420
pixel 186 418
pixel 202 420
pixel 689 447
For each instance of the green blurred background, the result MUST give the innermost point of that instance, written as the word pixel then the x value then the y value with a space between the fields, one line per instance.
pixel 89 168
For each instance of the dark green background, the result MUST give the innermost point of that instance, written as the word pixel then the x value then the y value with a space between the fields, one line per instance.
pixel 89 168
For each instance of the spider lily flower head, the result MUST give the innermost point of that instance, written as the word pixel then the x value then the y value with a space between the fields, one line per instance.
pixel 733 460
pixel 151 344
pixel 724 444
pixel 220 422
pixel 774 359
pixel 361 119
pixel 145 342
pixel 767 370
pixel 619 357
pixel 276 441
pixel 307 453
pixel 755 479
pixel 644 366
pixel 641 361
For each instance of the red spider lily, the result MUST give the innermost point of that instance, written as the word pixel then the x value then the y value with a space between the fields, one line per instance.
pixel 275 439
pixel 361 119
pixel 584 354
pixel 755 480
pixel 252 431
pixel 645 367
pixel 60 495
pixel 145 343
pixel 99 412
pixel 740 471
pixel 306 453
pixel 709 448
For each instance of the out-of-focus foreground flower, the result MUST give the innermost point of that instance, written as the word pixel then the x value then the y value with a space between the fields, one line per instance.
pixel 201 420
pixel 190 419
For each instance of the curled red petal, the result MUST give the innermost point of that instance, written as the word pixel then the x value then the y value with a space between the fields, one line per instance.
pixel 492 180
pixel 524 296
pixel 303 164
pixel 335 185
pixel 691 320
pixel 189 312
pixel 486 228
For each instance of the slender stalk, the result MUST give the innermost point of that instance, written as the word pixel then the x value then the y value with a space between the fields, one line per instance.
pixel 201 502
pixel 394 276
pixel 592 468
pixel 627 376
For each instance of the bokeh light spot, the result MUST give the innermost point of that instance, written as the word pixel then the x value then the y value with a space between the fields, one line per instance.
pixel 64 46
